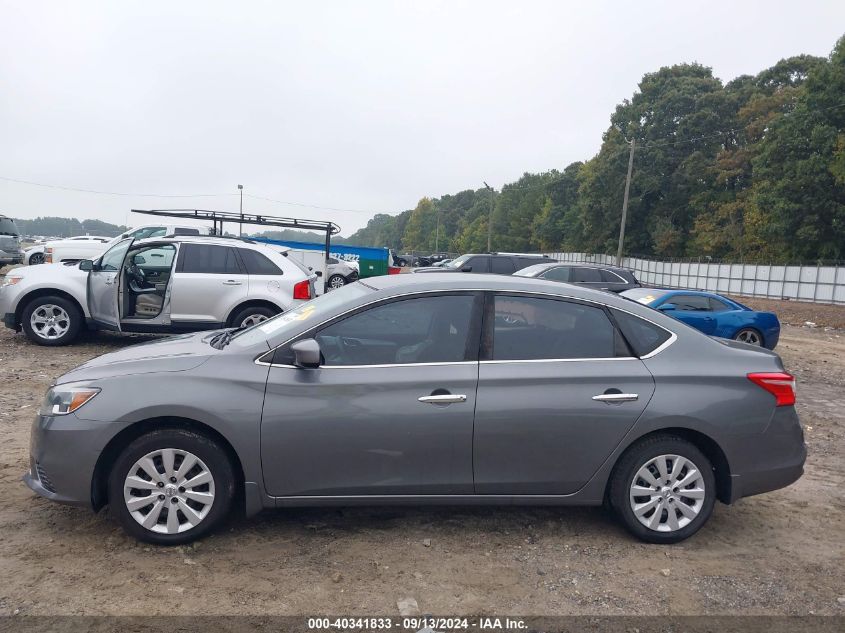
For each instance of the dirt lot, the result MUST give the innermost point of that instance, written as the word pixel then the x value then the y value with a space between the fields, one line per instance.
pixel 780 553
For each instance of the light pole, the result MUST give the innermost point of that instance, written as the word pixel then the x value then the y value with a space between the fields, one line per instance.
pixel 490 221
pixel 241 223
pixel 437 233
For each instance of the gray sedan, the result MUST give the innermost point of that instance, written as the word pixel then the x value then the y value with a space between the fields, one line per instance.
pixel 424 389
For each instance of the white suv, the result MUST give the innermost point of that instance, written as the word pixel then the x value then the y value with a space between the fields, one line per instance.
pixel 170 284
pixel 75 250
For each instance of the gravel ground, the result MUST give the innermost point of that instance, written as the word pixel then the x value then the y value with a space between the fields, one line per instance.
pixel 780 553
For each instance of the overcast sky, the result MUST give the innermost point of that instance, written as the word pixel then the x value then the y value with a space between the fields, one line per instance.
pixel 364 106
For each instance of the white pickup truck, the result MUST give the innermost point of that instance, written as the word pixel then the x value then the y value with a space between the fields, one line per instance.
pixel 71 250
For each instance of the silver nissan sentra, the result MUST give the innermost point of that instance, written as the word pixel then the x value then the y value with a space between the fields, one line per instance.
pixel 424 389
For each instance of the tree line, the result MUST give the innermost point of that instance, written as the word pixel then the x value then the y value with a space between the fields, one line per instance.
pixel 50 226
pixel 750 170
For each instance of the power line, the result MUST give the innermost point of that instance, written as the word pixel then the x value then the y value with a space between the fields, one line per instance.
pixel 307 205
pixel 116 193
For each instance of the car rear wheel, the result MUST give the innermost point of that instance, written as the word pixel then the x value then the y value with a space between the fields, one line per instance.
pixel 750 336
pixel 51 320
pixel 171 486
pixel 337 281
pixel 663 489
pixel 36 258
pixel 252 316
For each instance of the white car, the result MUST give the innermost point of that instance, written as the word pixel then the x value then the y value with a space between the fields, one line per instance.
pixel 35 254
pixel 170 284
pixel 73 250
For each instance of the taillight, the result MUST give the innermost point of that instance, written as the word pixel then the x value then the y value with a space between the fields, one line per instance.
pixel 780 384
pixel 48 255
pixel 302 290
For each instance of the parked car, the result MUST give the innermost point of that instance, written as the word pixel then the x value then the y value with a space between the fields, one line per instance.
pixel 10 242
pixel 341 273
pixel 442 263
pixel 72 250
pixel 35 254
pixel 713 314
pixel 499 263
pixel 399 261
pixel 424 389
pixel 598 277
pixel 168 284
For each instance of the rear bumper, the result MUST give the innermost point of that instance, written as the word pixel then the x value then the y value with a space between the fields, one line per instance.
pixel 10 257
pixel 771 460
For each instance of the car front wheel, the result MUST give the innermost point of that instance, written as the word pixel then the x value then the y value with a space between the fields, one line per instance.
pixel 51 320
pixel 36 258
pixel 337 281
pixel 663 489
pixel 171 486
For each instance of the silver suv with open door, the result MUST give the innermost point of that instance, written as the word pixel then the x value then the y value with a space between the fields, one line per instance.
pixel 171 284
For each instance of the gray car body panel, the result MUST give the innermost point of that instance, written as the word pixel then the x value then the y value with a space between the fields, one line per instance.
pixel 326 420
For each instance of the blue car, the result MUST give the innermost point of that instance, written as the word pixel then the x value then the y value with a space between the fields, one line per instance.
pixel 712 314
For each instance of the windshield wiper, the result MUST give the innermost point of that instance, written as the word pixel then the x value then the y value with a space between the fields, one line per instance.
pixel 222 339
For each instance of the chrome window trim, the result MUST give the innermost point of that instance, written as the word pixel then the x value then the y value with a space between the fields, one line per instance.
pixel 550 295
pixel 381 366
pixel 557 360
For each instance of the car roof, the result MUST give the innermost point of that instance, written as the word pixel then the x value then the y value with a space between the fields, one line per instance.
pixel 433 281
pixel 217 240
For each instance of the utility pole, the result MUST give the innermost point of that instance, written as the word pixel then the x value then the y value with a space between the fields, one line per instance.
pixel 632 142
pixel 437 233
pixel 490 221
pixel 241 223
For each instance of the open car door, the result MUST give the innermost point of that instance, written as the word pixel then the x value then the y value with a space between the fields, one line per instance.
pixel 104 286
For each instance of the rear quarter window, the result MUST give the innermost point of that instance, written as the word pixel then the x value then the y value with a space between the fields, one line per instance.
pixel 257 263
pixel 643 336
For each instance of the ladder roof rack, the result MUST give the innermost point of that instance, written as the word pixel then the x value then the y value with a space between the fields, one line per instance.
pixel 259 219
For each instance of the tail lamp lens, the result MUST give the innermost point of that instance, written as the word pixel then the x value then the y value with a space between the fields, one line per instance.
pixel 780 384
pixel 302 290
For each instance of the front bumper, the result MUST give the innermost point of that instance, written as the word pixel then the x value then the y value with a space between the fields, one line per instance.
pixel 10 257
pixel 63 455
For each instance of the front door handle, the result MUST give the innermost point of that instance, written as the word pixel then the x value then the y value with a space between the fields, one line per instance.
pixel 610 398
pixel 445 398
pixel 232 282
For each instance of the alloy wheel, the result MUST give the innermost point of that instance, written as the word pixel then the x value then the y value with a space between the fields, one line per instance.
pixel 337 282
pixel 36 258
pixel 50 321
pixel 168 491
pixel 253 319
pixel 667 493
pixel 749 336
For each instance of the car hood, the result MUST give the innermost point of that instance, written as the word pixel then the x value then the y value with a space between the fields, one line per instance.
pixel 172 354
pixel 47 272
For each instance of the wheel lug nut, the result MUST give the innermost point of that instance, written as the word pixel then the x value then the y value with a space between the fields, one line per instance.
pixel 173 480
pixel 173 500
pixel 160 484
pixel 161 497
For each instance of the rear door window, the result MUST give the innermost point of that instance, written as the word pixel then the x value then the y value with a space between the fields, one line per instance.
pixel 502 266
pixel 532 328
pixel 608 276
pixel 478 264
pixel 208 259
pixel 585 275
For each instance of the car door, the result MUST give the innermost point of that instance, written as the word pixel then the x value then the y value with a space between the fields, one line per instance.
pixel 208 283
pixel 557 391
pixel 103 286
pixel 694 310
pixel 389 411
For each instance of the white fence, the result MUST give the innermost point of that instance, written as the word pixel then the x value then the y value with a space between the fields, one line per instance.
pixel 818 284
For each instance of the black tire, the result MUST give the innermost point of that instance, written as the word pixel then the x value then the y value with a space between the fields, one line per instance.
pixel 207 450
pixel 74 322
pixel 254 312
pixel 336 281
pixel 638 456
pixel 35 259
pixel 402 263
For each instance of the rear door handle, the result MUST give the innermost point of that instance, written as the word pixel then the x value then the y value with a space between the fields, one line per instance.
pixel 610 398
pixel 446 398
pixel 232 282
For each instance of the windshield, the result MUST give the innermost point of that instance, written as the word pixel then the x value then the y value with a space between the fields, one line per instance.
pixel 309 313
pixel 458 262
pixel 646 296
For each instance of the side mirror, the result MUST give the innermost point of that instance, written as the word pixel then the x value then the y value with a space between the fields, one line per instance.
pixel 86 265
pixel 319 273
pixel 666 307
pixel 306 353
pixel 466 269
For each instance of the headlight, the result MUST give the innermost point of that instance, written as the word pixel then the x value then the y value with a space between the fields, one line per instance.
pixel 10 281
pixel 61 400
